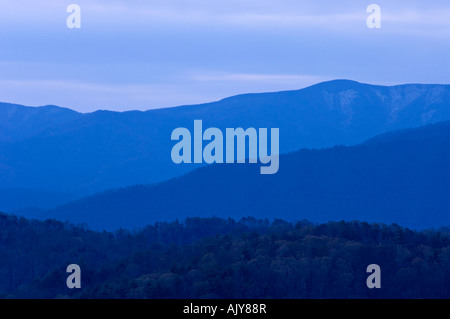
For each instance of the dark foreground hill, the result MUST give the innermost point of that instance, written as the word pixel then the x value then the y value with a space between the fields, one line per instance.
pixel 402 177
pixel 215 258
pixel 56 149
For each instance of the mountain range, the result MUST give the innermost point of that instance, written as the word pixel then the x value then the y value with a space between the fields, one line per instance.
pixel 61 154
pixel 401 177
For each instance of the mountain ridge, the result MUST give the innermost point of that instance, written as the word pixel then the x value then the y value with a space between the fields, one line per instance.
pixel 81 154
pixel 389 181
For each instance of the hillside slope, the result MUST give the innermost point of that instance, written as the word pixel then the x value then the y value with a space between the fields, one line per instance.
pixel 401 177
pixel 81 154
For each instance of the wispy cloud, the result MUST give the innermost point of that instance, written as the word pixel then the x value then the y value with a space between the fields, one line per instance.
pixel 140 54
pixel 248 77
pixel 345 15
pixel 86 97
pixel 91 96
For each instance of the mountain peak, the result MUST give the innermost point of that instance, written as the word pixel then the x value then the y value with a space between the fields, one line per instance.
pixel 87 153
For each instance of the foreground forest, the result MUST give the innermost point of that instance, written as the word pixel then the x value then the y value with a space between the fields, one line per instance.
pixel 217 258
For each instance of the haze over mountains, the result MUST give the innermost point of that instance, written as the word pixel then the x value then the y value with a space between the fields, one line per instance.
pixel 53 150
pixel 401 177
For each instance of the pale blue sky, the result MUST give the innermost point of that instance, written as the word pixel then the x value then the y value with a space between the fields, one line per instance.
pixel 143 54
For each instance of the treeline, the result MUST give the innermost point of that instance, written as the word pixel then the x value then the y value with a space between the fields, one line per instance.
pixel 217 258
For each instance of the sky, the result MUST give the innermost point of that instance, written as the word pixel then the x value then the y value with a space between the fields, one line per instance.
pixel 145 54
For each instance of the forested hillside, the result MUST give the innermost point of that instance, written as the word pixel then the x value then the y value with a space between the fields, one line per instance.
pixel 216 258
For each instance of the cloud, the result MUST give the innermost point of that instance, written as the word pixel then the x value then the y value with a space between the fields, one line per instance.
pixel 248 77
pixel 139 54
pixel 348 15
pixel 87 97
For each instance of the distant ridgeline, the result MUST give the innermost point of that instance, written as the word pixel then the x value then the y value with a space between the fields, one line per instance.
pixel 56 149
pixel 401 177
pixel 51 155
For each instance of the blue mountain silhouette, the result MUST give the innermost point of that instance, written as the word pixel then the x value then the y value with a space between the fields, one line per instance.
pixel 59 150
pixel 401 177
